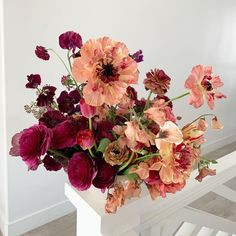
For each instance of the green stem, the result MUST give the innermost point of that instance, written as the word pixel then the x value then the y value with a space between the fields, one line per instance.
pixel 58 56
pixel 58 153
pixel 126 163
pixel 147 156
pixel 90 124
pixel 147 101
pixel 178 97
pixel 209 114
pixel 91 152
pixel 68 58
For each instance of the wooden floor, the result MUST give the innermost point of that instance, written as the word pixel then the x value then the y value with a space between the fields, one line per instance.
pixel 211 203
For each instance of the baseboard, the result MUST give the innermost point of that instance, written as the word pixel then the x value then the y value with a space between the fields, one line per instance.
pixel 39 218
pixel 2 224
pixel 219 143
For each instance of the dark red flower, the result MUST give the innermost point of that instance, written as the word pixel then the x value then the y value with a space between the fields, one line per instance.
pixel 42 53
pixel 157 81
pixel 132 93
pixel 67 101
pixel 104 130
pixel 46 97
pixel 31 143
pixel 51 164
pixel 70 40
pixel 81 171
pixel 86 110
pixel 85 139
pixel 64 135
pixel 52 118
pixel 34 80
pixel 105 176
pixel 138 56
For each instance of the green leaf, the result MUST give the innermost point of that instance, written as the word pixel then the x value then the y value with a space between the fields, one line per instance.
pixel 130 176
pixel 112 114
pixel 103 144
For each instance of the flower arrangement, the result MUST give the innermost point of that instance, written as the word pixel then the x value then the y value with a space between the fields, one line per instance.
pixel 98 129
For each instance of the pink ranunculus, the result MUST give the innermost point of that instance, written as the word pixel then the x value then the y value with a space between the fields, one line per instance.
pixel 81 171
pixel 105 176
pixel 108 70
pixel 30 144
pixel 85 139
pixel 201 83
pixel 87 110
pixel 64 135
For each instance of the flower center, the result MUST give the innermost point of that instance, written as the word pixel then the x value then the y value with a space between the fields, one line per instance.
pixel 107 72
pixel 206 84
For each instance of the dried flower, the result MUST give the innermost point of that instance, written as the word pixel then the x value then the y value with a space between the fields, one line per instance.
pixel 205 171
pixel 157 81
pixel 115 154
pixel 42 53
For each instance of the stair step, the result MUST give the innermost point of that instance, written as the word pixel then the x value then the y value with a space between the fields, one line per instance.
pixel 186 229
pixel 204 231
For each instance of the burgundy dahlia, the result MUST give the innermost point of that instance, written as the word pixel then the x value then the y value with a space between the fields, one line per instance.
pixel 42 53
pixel 52 118
pixel 30 144
pixel 81 171
pixel 34 80
pixel 64 135
pixel 105 176
pixel 70 40
pixel 67 101
pixel 51 164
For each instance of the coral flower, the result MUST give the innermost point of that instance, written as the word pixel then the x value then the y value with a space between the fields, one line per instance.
pixel 202 83
pixel 108 70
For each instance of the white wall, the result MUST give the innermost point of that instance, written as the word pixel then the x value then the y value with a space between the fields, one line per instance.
pixel 174 35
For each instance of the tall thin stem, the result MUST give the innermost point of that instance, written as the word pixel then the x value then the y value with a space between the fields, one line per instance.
pixel 178 97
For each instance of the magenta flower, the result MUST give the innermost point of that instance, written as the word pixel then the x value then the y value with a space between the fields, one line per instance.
pixel 30 144
pixel 51 164
pixel 81 171
pixel 87 110
pixel 64 135
pixel 85 139
pixel 70 40
pixel 34 80
pixel 42 53
pixel 105 176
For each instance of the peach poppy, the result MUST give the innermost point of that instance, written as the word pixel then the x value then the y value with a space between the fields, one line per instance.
pixel 107 68
pixel 201 83
pixel 160 112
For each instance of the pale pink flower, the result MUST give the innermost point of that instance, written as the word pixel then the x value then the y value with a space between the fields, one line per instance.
pixel 135 134
pixel 205 171
pixel 142 170
pixel 160 112
pixel 107 68
pixel 201 83
pixel 171 133
pixel 215 124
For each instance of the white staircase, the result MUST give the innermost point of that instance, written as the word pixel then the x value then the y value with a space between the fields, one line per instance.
pixel 171 216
